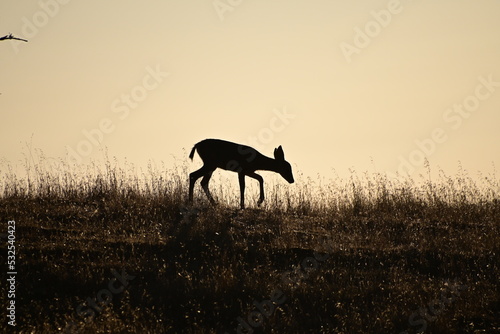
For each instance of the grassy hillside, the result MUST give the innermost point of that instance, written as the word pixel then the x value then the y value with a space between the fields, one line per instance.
pixel 117 251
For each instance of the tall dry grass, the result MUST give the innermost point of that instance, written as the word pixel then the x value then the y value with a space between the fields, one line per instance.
pixel 361 193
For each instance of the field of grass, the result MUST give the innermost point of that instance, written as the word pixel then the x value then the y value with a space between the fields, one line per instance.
pixel 111 250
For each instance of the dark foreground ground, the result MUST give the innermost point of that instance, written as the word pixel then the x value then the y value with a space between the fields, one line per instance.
pixel 115 262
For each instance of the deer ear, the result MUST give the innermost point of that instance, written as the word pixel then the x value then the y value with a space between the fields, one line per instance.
pixel 279 154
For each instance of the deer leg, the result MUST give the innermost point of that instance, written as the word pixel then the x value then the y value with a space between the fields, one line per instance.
pixel 204 185
pixel 261 183
pixel 241 178
pixel 192 180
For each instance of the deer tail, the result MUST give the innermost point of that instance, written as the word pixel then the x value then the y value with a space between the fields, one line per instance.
pixel 191 155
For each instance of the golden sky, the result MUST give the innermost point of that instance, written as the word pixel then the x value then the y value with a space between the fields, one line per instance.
pixel 338 83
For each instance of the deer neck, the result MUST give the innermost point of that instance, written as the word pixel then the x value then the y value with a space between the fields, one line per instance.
pixel 266 163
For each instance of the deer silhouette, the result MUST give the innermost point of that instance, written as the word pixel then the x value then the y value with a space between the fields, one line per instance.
pixel 238 158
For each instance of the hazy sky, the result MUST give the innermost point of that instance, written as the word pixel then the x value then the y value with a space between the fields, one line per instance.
pixel 337 83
